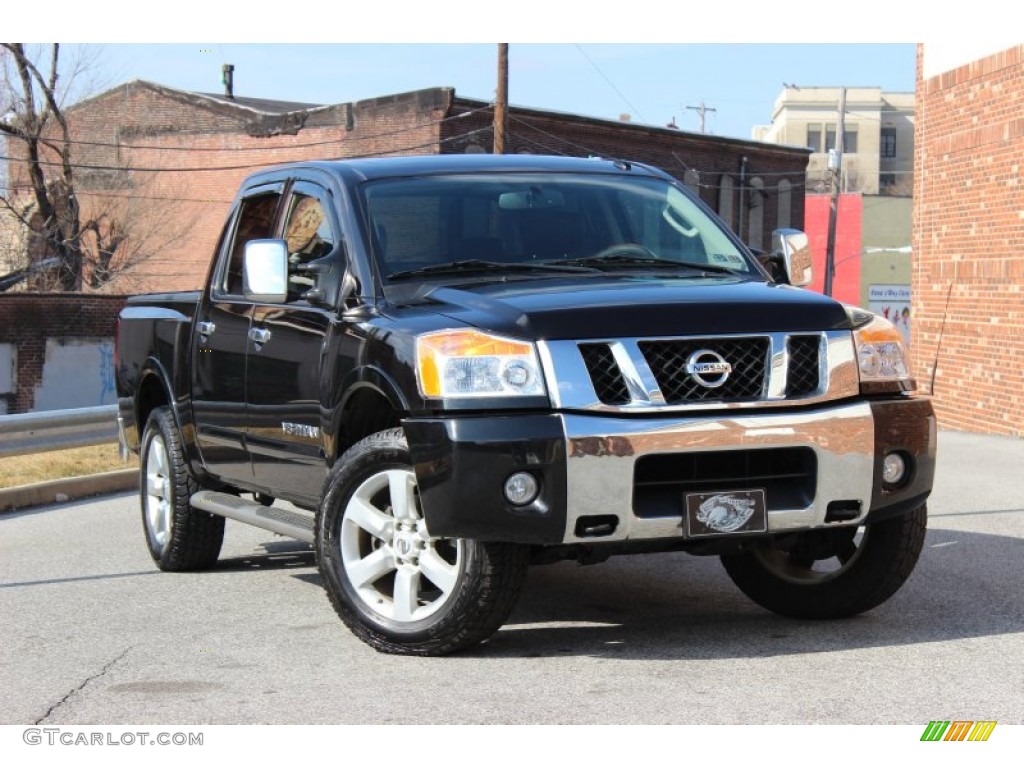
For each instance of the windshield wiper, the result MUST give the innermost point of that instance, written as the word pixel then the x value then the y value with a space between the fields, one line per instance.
pixel 480 265
pixel 626 261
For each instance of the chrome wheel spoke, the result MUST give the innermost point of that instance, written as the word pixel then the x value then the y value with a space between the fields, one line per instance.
pixel 407 593
pixel 402 487
pixel 369 518
pixel 441 573
pixel 363 573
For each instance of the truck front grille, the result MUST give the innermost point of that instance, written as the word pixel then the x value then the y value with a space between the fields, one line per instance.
pixel 664 364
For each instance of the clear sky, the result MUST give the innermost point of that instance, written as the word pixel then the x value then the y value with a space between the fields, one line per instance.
pixel 650 59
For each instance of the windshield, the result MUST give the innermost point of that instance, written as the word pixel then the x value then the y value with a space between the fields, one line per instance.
pixel 420 226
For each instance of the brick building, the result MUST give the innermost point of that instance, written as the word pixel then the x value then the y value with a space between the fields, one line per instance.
pixel 171 160
pixel 56 350
pixel 968 238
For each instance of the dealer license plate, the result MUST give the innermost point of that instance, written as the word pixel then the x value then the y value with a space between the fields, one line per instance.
pixel 725 512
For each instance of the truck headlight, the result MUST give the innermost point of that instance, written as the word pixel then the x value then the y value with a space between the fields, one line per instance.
pixel 881 355
pixel 469 363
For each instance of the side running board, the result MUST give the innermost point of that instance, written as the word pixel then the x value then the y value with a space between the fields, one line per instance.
pixel 295 525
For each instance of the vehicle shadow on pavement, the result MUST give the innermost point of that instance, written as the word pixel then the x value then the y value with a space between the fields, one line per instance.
pixel 677 606
pixel 277 554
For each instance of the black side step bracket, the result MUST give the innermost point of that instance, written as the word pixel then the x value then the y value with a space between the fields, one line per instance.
pixel 286 522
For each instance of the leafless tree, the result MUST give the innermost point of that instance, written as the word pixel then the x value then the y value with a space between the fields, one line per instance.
pixel 88 245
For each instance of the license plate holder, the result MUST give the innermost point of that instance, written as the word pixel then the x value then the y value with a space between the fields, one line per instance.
pixel 725 513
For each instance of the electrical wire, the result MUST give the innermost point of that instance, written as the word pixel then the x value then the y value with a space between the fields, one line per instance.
pixel 208 169
pixel 325 142
pixel 607 80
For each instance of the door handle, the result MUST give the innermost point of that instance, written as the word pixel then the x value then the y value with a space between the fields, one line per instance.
pixel 259 335
pixel 206 327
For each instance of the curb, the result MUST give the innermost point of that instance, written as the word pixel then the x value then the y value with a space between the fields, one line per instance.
pixel 67 489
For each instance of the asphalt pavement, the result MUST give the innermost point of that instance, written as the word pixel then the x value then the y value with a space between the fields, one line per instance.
pixel 92 632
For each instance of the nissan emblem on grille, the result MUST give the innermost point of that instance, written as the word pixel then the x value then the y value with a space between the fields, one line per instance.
pixel 708 368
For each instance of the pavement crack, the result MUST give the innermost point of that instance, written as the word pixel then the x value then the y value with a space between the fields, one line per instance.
pixel 106 668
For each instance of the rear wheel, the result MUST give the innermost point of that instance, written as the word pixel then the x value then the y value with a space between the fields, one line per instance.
pixel 398 588
pixel 832 573
pixel 179 537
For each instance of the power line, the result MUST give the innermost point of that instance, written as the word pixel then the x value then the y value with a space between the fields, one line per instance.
pixel 208 169
pixel 325 142
pixel 607 80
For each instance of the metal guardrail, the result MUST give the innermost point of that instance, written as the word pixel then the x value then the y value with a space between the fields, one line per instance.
pixel 23 433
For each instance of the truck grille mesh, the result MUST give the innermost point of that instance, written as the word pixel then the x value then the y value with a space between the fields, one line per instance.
pixel 605 373
pixel 804 378
pixel 748 358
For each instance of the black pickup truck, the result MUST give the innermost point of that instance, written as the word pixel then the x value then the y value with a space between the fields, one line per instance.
pixel 439 370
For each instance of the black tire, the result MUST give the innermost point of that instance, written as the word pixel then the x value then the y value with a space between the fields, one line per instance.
pixel 834 573
pixel 395 587
pixel 179 537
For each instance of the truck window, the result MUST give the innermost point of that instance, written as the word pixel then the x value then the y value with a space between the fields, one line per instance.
pixel 309 237
pixel 255 222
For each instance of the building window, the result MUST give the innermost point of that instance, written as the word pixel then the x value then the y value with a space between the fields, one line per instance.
pixel 888 142
pixel 850 139
pixel 887 180
pixel 830 137
pixel 814 136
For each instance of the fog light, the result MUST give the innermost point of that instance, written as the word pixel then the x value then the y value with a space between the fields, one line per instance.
pixel 893 469
pixel 521 488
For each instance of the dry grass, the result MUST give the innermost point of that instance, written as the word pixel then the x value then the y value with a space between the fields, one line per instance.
pixel 74 462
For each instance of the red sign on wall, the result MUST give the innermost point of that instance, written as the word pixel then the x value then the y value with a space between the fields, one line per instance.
pixel 846 279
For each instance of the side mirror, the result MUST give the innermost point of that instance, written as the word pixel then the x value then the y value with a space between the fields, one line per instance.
pixel 793 250
pixel 265 271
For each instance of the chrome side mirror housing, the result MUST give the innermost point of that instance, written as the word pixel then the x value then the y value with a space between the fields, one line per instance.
pixel 265 271
pixel 792 249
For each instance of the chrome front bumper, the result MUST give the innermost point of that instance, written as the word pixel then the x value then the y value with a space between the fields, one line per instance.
pixel 602 451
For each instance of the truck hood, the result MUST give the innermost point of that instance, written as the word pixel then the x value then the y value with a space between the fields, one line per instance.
pixel 594 308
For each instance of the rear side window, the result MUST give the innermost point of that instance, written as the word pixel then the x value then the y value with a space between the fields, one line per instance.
pixel 255 222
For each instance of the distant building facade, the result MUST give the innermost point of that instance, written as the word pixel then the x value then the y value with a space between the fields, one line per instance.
pixel 877 165
pixel 878 137
pixel 968 273
pixel 179 157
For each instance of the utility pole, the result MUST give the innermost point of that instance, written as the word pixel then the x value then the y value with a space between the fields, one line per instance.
pixel 835 163
pixel 501 101
pixel 702 110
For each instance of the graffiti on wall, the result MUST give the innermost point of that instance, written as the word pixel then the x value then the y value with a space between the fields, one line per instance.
pixel 77 373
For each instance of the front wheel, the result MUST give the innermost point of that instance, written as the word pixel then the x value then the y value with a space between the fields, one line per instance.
pixel 395 586
pixel 833 573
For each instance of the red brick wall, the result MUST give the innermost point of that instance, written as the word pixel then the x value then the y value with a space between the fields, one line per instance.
pixel 968 269
pixel 27 320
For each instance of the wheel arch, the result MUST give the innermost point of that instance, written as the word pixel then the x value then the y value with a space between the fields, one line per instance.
pixel 154 391
pixel 371 403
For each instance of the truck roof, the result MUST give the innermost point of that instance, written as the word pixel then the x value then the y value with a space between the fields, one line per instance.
pixel 362 169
